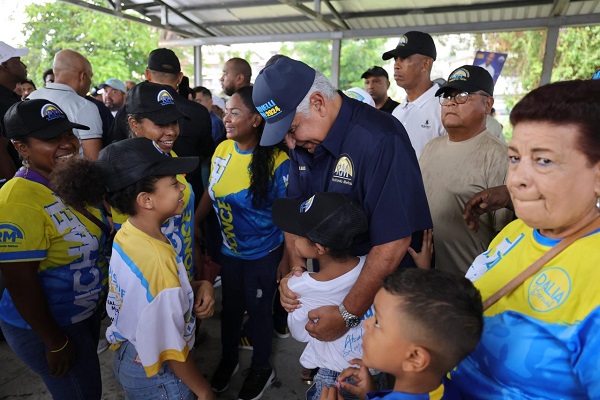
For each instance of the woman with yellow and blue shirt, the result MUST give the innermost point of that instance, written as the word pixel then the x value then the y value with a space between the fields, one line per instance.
pixel 51 258
pixel 245 180
pixel 542 340
pixel 152 113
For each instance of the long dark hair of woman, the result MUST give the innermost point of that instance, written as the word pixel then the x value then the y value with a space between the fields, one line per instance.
pixel 263 158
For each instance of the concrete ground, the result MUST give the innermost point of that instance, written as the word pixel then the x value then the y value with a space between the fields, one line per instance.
pixel 18 382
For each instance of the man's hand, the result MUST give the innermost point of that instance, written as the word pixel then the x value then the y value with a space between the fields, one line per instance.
pixel 60 362
pixel 486 201
pixel 204 304
pixel 423 259
pixel 326 323
pixel 363 382
pixel 289 300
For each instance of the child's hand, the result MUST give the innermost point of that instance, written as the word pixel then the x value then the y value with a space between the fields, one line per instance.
pixel 330 393
pixel 423 259
pixel 363 383
pixel 204 304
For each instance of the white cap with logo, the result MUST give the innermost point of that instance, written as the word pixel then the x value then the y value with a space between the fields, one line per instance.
pixel 7 52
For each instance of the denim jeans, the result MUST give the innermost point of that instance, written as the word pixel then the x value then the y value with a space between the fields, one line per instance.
pixel 326 377
pixel 82 381
pixel 249 285
pixel 131 375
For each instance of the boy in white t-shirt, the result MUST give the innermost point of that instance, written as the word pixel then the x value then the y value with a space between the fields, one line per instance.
pixel 327 224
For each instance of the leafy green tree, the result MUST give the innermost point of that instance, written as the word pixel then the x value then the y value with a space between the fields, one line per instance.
pixel 114 46
pixel 357 55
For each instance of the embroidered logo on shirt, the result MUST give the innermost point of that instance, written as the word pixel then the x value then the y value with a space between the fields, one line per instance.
pixel 426 125
pixel 549 289
pixel 10 234
pixel 344 170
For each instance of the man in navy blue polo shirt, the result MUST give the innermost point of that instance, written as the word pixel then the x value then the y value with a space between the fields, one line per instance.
pixel 342 145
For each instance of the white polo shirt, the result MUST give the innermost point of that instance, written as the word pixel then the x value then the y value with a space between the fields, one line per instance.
pixel 77 109
pixel 421 118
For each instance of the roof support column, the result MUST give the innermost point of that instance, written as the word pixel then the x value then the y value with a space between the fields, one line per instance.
pixel 197 66
pixel 549 54
pixel 335 61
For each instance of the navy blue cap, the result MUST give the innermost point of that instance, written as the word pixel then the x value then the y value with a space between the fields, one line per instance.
pixel 278 90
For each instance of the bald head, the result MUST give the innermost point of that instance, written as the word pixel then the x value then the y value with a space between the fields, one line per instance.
pixel 73 69
pixel 236 74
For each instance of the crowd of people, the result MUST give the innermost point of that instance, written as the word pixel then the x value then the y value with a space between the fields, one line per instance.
pixel 415 252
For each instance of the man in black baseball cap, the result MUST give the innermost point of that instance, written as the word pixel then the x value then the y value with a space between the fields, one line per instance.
pixel 420 113
pixel 456 167
pixel 377 83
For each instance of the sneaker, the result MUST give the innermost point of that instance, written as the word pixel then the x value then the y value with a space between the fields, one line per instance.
pixel 255 384
pixel 282 333
pixel 245 343
pixel 102 346
pixel 308 375
pixel 222 376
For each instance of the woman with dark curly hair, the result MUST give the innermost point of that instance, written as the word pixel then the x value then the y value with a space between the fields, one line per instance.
pixel 245 180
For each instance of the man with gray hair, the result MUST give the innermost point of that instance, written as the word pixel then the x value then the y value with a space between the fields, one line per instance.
pixel 338 144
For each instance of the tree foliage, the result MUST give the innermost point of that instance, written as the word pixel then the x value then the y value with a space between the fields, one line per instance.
pixel 356 56
pixel 114 46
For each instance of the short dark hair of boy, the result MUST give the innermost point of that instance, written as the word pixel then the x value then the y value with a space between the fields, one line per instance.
pixel 446 310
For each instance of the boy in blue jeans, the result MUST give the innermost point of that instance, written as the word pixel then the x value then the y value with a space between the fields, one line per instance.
pixel 425 323
pixel 327 225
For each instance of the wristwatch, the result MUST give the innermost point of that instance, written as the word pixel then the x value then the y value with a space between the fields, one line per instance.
pixel 352 320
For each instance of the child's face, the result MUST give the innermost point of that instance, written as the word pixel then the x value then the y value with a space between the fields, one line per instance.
pixel 385 343
pixel 167 198
pixel 305 248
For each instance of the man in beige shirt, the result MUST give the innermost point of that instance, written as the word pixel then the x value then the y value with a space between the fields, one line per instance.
pixel 457 166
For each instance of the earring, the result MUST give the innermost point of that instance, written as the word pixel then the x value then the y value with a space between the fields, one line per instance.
pixel 598 203
pixel 254 125
pixel 25 163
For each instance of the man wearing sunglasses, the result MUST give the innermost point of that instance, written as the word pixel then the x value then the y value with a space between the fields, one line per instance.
pixel 457 166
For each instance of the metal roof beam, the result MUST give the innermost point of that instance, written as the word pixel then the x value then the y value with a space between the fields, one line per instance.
pixel 336 14
pixel 490 26
pixel 150 21
pixel 229 5
pixel 186 18
pixel 311 14
pixel 559 7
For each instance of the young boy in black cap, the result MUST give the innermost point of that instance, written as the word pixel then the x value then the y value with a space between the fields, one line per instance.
pixel 327 225
pixel 425 323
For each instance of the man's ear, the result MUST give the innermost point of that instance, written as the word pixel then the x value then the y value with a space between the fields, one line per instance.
pixel 148 75
pixel 417 359
pixel 179 78
pixel 489 103
pixel 317 101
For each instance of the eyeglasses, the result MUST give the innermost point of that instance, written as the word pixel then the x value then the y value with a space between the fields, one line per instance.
pixel 459 98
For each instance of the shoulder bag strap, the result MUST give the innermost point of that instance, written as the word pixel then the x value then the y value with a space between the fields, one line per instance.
pixel 540 262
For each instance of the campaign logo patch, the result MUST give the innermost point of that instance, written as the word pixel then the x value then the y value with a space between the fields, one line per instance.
pixel 549 289
pixel 403 41
pixel 459 74
pixel 11 234
pixel 305 206
pixel 269 109
pixel 344 170
pixel 50 112
pixel 165 98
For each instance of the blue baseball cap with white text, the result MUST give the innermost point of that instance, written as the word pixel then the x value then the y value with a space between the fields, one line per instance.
pixel 278 90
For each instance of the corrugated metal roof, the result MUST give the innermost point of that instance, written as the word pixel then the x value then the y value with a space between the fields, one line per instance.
pixel 237 21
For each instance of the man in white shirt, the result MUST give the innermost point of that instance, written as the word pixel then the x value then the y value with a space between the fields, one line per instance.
pixel 487 64
pixel 73 76
pixel 420 112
